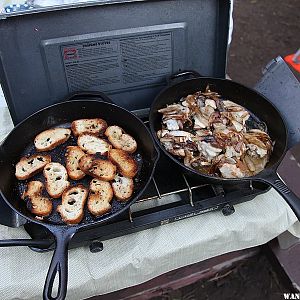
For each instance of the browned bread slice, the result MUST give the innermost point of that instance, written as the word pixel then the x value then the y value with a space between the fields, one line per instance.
pixel 98 168
pixel 93 126
pixel 33 188
pixel 56 179
pixel 92 144
pixel 73 154
pixel 100 196
pixel 122 187
pixel 121 140
pixel 31 165
pixel 51 138
pixel 126 165
pixel 72 205
pixel 36 203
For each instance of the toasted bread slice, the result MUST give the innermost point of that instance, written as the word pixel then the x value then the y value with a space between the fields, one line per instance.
pixel 51 138
pixel 93 126
pixel 36 203
pixel 31 165
pixel 122 187
pixel 98 168
pixel 33 188
pixel 56 179
pixel 121 140
pixel 92 144
pixel 72 205
pixel 100 196
pixel 126 165
pixel 73 154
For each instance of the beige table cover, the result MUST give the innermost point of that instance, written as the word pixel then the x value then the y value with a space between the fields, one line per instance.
pixel 136 258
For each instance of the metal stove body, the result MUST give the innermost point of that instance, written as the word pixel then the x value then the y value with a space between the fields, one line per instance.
pixel 127 49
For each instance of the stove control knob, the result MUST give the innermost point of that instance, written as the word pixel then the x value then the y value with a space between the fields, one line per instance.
pixel 96 246
pixel 228 210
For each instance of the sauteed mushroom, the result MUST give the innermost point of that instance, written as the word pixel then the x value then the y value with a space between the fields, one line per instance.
pixel 214 136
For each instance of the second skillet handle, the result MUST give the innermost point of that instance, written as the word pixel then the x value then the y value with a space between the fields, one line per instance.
pixel 59 264
pixel 183 75
pixel 86 95
pixel 292 200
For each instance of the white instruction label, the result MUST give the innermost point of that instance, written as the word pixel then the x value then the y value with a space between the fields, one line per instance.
pixel 120 63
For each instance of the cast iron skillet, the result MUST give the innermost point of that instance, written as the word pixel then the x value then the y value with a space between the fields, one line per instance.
pixel 250 99
pixel 23 134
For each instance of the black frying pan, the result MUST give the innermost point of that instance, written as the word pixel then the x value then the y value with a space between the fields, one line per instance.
pixel 20 142
pixel 248 98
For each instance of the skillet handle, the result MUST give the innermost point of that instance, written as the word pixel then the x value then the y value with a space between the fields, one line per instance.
pixel 292 200
pixel 59 264
pixel 183 75
pixel 88 95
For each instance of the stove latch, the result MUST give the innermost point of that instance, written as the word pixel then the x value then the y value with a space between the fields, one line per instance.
pixel 228 210
pixel 96 246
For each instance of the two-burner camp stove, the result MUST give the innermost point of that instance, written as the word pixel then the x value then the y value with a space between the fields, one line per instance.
pixel 171 196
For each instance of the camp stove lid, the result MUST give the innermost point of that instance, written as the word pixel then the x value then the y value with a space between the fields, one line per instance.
pixel 126 49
